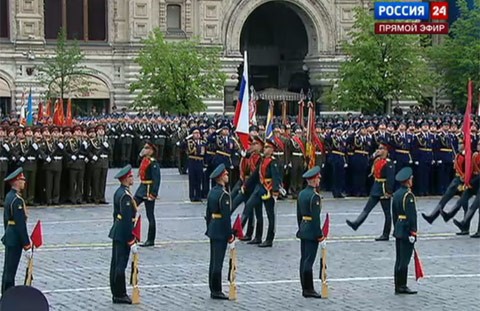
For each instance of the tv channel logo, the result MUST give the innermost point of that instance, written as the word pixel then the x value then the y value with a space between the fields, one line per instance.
pixel 402 10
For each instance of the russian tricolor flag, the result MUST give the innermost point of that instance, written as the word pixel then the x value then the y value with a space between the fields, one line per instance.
pixel 241 119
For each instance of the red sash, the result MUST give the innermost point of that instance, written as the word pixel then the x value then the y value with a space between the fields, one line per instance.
pixel 279 143
pixel 244 168
pixel 263 172
pixel 476 163
pixel 460 165
pixel 142 171
pixel 300 143
pixel 378 166
pixel 254 160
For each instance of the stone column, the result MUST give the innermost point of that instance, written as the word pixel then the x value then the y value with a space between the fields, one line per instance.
pixel 27 22
pixel 323 70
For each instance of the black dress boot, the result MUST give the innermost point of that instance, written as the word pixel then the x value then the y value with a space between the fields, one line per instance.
pixel 122 300
pixel 358 222
pixel 431 218
pixel 147 243
pixel 309 291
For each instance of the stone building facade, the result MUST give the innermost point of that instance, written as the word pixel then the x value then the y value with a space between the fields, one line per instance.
pixel 292 44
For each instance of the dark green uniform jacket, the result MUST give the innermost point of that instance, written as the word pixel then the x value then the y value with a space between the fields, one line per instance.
pixel 124 212
pixel 218 214
pixel 15 221
pixel 308 215
pixel 404 213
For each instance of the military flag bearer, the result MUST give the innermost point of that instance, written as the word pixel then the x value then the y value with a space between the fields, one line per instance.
pixel 309 231
pixel 405 230
pixel 16 237
pixel 219 229
pixel 124 242
pixel 147 191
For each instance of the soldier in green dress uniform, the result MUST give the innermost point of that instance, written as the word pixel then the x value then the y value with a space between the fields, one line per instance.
pixel 124 242
pixel 16 236
pixel 405 230
pixel 219 229
pixel 309 231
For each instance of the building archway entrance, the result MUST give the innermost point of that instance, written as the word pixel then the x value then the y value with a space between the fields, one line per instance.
pixel 5 98
pixel 276 40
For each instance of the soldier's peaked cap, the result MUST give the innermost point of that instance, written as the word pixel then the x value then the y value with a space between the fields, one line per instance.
pixel 14 175
pixel 23 298
pixel 218 171
pixel 124 172
pixel 404 174
pixel 311 173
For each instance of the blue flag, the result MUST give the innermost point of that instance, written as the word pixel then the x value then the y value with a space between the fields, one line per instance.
pixel 269 125
pixel 30 109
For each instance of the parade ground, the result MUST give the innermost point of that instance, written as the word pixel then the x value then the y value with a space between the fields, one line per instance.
pixel 72 268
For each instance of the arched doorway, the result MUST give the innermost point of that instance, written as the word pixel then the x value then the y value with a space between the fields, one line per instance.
pixel 5 98
pixel 95 102
pixel 276 40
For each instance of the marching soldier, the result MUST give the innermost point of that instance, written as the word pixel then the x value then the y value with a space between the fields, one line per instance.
pixel 219 229
pixel 124 242
pixel 455 185
pixel 16 236
pixel 310 233
pixel 383 171
pixel 405 231
pixel 266 192
pixel 147 191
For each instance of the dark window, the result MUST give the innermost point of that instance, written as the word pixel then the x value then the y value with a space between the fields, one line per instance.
pixel 53 18
pixel 75 19
pixel 83 19
pixel 4 19
pixel 97 27
pixel 174 12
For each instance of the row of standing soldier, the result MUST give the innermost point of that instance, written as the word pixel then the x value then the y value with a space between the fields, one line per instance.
pixel 61 165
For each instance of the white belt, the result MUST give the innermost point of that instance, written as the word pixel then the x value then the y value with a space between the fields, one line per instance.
pixel 81 157
pixel 3 159
pixel 141 137
pixel 57 158
pixel 162 136
pixel 298 154
pixel 123 135
pixel 318 152
pixel 278 153
pixel 31 158
pixel 103 156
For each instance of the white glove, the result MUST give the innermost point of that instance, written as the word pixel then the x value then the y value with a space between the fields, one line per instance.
pixel 6 147
pixel 411 239
pixel 86 160
pixel 323 165
pixel 395 162
pixel 60 145
pixel 178 143
pixel 74 157
pixel 232 167
pixel 105 144
pixel 28 254
pixel 85 144
pixel 283 191
pixel 410 162
pixel 22 159
pixel 323 244
pixel 285 166
pixel 94 158
pixel 243 153
pixel 290 164
pixel 35 146
pixel 49 159
pixel 439 162
pixel 134 248
pixel 231 245
pixel 345 165
pixel 416 163
pixel 433 162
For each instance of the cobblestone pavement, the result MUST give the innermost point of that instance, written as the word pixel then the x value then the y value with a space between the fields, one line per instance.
pixel 72 267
